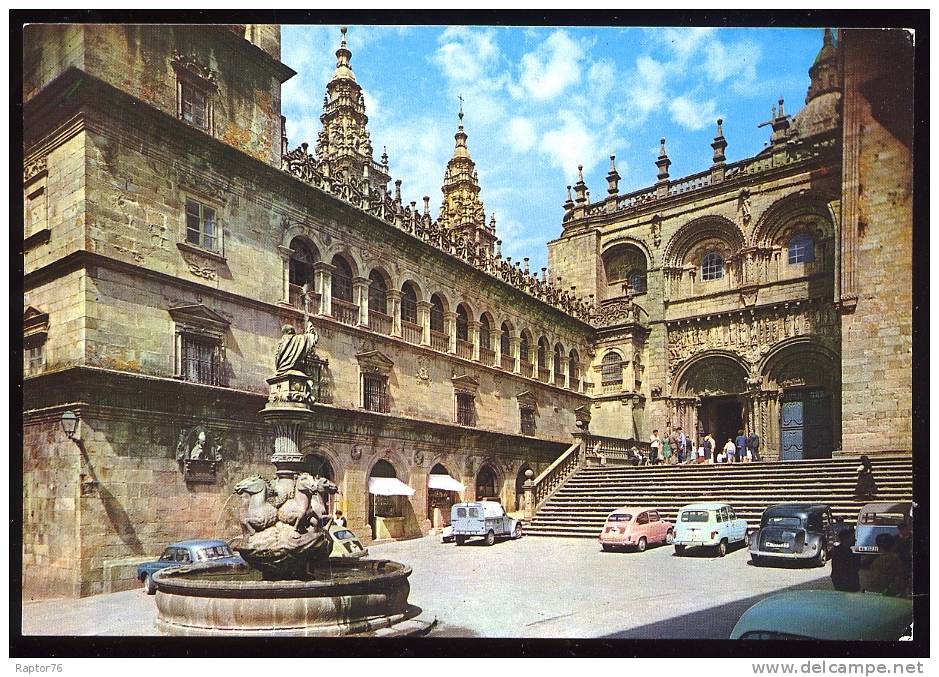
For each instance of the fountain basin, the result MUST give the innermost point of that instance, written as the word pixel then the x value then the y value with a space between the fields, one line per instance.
pixel 341 597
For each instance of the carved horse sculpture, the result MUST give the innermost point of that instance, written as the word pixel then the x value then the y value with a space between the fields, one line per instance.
pixel 319 502
pixel 260 514
pixel 295 511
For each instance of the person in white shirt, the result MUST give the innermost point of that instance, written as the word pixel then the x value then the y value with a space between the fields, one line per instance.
pixel 730 450
pixel 655 443
pixel 340 520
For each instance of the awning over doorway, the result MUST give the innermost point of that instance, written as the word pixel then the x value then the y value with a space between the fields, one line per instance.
pixel 444 482
pixel 388 486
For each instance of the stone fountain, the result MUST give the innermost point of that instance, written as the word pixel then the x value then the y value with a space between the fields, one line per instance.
pixel 291 586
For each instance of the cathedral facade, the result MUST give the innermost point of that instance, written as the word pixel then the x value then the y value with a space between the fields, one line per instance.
pixel 172 231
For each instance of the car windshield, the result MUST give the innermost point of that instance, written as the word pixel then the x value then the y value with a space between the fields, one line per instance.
pixel 882 519
pixel 620 517
pixel 343 534
pixel 783 522
pixel 694 516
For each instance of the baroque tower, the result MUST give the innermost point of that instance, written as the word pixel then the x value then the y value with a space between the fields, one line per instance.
pixel 462 210
pixel 343 146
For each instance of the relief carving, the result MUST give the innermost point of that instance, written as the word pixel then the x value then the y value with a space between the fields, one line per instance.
pixel 34 168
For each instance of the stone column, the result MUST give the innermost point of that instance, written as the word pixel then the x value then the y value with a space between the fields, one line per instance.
pixel 449 326
pixel 285 253
pixel 394 300
pixel 495 342
pixel 323 283
pixel 360 298
pixel 629 369
pixel 529 494
pixel 423 318
pixel 474 338
pixel 515 343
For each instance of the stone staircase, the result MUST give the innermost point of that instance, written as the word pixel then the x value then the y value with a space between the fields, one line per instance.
pixel 580 505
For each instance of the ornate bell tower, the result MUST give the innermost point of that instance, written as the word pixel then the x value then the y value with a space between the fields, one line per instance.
pixel 462 210
pixel 343 146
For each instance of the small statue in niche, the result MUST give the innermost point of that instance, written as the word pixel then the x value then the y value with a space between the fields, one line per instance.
pixel 199 451
pixel 743 204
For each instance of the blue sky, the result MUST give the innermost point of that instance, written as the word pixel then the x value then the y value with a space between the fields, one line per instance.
pixel 540 101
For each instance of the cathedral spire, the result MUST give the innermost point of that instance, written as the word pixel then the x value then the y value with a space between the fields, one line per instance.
pixel 343 145
pixel 824 71
pixel 462 209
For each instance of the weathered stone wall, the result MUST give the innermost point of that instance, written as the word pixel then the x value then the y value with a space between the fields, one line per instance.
pixel 64 299
pixel 877 242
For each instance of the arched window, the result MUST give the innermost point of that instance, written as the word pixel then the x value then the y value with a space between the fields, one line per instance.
pixel 436 313
pixel 558 360
pixel 524 348
pixel 462 323
pixel 573 361
pixel 801 248
pixel 485 333
pixel 342 279
pixel 542 353
pixel 301 263
pixel 504 344
pixel 611 369
pixel 712 266
pixel 377 293
pixel 408 303
pixel 637 281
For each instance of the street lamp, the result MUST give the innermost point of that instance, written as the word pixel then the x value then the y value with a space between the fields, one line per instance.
pixel 69 424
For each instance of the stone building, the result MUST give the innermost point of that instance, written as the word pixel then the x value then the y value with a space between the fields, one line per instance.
pixel 170 232
pixel 733 298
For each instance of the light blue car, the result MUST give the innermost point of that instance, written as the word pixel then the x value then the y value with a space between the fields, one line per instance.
pixel 712 525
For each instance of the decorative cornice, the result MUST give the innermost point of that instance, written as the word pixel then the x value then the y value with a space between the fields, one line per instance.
pixel 34 168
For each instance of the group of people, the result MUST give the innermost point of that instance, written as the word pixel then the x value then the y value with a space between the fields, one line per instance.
pixel 677 447
pixel 890 573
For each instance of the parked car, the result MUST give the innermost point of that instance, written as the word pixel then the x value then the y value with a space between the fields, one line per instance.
pixel 826 615
pixel 875 519
pixel 345 543
pixel 794 531
pixel 184 553
pixel 446 535
pixel 713 525
pixel 635 527
pixel 483 518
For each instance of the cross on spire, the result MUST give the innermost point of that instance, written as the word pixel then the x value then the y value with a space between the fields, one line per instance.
pixel 460 97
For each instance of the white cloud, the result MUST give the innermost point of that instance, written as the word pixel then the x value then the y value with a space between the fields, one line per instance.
pixel 551 68
pixel 693 114
pixel 465 55
pixel 736 60
pixel 571 144
pixel 521 134
pixel 646 90
pixel 683 42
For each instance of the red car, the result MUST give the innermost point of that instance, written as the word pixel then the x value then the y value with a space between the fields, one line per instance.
pixel 635 527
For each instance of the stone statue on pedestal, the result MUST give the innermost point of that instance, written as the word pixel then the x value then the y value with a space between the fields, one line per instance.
pixel 293 349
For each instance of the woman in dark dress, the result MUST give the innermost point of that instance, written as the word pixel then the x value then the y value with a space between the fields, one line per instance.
pixel 845 565
pixel 866 487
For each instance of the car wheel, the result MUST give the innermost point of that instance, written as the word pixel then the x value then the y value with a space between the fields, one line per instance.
pixel 679 550
pixel 669 537
pixel 822 557
pixel 606 547
pixel 149 586
pixel 722 548
pixel 756 560
pixel 518 531
pixel 641 544
pixel 490 538
pixel 460 540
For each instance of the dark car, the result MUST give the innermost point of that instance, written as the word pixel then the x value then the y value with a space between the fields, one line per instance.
pixel 185 553
pixel 794 531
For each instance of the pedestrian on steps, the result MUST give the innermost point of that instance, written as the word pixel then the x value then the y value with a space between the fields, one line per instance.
pixel 866 487
pixel 730 450
pixel 753 444
pixel 714 450
pixel 673 443
pixel 654 443
pixel 682 445
pixel 707 449
pixel 741 444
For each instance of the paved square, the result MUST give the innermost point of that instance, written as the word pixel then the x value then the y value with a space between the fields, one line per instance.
pixel 534 587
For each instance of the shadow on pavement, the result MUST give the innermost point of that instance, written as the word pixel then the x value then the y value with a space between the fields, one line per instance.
pixel 712 623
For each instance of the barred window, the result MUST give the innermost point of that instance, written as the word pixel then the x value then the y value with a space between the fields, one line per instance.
pixel 375 392
pixel 408 304
pixel 637 281
pixel 527 416
pixel 801 249
pixel 201 360
pixel 611 369
pixel 201 225
pixel 712 266
pixel 194 105
pixel 465 409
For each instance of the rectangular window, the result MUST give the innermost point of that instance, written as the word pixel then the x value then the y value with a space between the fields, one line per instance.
pixel 35 209
pixel 528 421
pixel 201 225
pixel 375 392
pixel 465 409
pixel 34 358
pixel 194 106
pixel 201 360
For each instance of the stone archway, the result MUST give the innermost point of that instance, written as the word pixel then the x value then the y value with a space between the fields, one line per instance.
pixel 487 482
pixel 711 397
pixel 520 486
pixel 382 506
